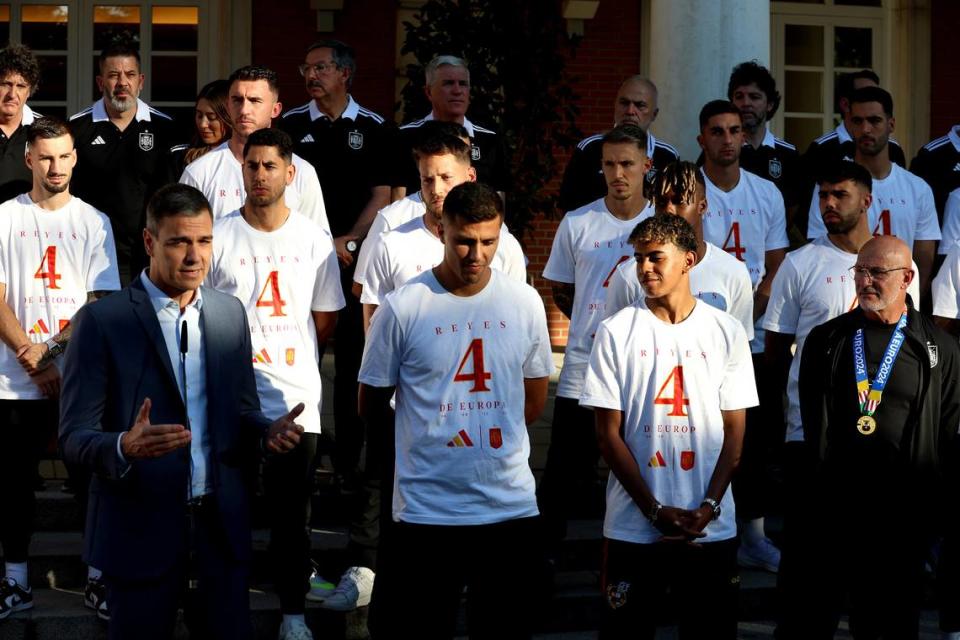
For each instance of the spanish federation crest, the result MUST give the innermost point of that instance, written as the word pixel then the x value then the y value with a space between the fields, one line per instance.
pixel 146 141
pixel 774 168
pixel 355 140
pixel 474 152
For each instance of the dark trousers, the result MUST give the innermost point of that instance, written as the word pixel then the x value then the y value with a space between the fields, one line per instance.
pixel 795 585
pixel 219 608
pixel 837 552
pixel 371 515
pixel 642 580
pixel 26 425
pixel 348 352
pixel 288 485
pixel 948 582
pixel 424 569
pixel 764 431
pixel 570 474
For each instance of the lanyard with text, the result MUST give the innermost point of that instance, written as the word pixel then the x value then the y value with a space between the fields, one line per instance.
pixel 869 394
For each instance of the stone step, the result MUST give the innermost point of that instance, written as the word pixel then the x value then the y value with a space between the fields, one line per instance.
pixel 55 557
pixel 574 608
pixel 572 614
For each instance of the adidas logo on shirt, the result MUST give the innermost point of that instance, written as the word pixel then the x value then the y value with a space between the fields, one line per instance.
pixel 308 138
pixel 461 440
pixel 656 460
pixel 98 140
pixel 956 167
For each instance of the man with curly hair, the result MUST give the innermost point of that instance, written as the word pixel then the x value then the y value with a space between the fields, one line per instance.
pixel 19 77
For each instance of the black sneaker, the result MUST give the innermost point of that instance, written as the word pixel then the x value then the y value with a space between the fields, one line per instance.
pixel 95 597
pixel 14 597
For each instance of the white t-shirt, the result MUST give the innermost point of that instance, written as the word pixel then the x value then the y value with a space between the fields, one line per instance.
pixel 411 249
pixel 813 285
pixel 746 222
pixel 946 286
pixel 280 277
pixel 49 261
pixel 902 206
pixel 720 280
pixel 389 218
pixel 589 246
pixel 458 365
pixel 951 222
pixel 671 381
pixel 219 176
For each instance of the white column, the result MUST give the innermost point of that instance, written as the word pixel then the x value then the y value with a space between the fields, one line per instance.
pixel 694 44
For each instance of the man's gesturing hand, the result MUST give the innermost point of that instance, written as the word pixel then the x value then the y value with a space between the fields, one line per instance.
pixel 284 434
pixel 145 440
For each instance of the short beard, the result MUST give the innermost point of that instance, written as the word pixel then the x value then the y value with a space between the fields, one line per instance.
pixel 123 105
pixel 875 306
pixel 54 188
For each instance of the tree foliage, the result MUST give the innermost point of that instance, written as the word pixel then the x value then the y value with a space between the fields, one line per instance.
pixel 517 53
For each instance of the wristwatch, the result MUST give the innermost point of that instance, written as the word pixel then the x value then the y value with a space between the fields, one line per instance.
pixel 352 246
pixel 654 512
pixel 714 506
pixel 54 348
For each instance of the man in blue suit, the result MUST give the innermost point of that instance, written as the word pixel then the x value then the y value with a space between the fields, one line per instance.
pixel 159 401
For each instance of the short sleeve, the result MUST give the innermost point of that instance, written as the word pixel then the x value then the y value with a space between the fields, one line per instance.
pixel 776 221
pixel 376 279
pixel 815 226
pixel 102 270
pixel 367 247
pixel 741 298
pixel 510 257
pixel 382 350
pixel 327 290
pixel 562 264
pixel 618 289
pixel 738 389
pixel 311 196
pixel 601 385
pixel 538 362
pixel 951 222
pixel 945 286
pixel 783 310
pixel 928 227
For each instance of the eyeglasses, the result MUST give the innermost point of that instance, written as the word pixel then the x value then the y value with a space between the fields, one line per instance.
pixel 319 69
pixel 874 273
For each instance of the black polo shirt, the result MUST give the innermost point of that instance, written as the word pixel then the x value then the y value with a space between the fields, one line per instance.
pixel 351 155
pixel 15 177
pixel 487 154
pixel 583 180
pixel 117 172
pixel 938 162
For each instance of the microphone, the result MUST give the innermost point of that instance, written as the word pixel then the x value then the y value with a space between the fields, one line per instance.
pixel 184 344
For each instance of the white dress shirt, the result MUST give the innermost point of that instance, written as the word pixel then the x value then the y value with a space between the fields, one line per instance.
pixel 194 368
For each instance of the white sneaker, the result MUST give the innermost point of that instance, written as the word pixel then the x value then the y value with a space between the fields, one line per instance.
pixel 296 629
pixel 759 555
pixel 354 590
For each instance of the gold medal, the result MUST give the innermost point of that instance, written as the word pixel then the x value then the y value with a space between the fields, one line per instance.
pixel 866 425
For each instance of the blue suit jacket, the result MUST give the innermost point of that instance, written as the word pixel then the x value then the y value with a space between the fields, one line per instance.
pixel 117 357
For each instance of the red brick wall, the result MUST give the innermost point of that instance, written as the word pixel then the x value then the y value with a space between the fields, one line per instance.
pixel 608 53
pixel 944 71
pixel 283 30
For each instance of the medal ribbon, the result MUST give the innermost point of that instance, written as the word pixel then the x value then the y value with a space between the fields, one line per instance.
pixel 869 394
